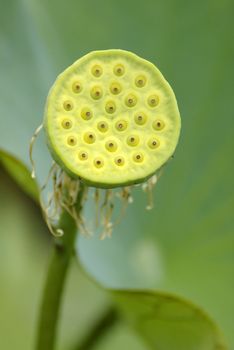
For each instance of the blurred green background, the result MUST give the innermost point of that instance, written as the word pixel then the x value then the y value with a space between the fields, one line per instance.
pixel 186 244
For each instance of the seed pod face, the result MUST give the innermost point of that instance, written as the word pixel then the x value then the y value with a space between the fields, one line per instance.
pixel 111 119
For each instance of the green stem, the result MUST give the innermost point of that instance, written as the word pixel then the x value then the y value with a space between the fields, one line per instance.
pixel 62 252
pixel 107 321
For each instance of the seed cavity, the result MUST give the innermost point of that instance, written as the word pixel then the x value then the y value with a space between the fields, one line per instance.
pixel 96 92
pixel 121 125
pixel 140 81
pixel 83 155
pixel 140 118
pixel 158 124
pixel 66 123
pixel 133 140
pixel 131 100
pixel 138 157
pixel 115 88
pixel 97 70
pixel 86 113
pixel 153 100
pixel 153 143
pixel 119 161
pixel 110 107
pixel 98 162
pixel 89 137
pixel 102 126
pixel 111 146
pixel 71 140
pixel 68 105
pixel 76 87
pixel 119 70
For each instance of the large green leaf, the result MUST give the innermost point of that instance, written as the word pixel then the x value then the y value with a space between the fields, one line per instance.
pixel 185 245
pixel 20 174
pixel 166 322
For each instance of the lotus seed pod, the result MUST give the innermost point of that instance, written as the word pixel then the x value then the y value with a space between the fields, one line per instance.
pixel 111 119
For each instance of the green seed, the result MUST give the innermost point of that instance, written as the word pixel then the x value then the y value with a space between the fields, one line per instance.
pixel 86 113
pixel 131 100
pixel 121 125
pixel 119 161
pixel 89 137
pixel 138 157
pixel 111 145
pixel 110 107
pixel 83 155
pixel 102 126
pixel 76 87
pixel 153 143
pixel 71 140
pixel 153 100
pixel 96 92
pixel 97 71
pixel 115 88
pixel 68 105
pixel 133 140
pixel 119 70
pixel 158 124
pixel 140 81
pixel 98 162
pixel 140 118
pixel 66 123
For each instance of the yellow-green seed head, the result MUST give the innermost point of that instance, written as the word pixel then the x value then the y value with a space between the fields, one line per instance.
pixel 111 119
